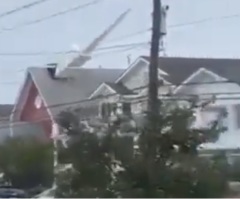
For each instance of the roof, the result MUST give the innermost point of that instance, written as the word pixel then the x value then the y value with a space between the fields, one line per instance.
pixel 23 129
pixel 119 88
pixel 180 68
pixel 5 110
pixel 78 85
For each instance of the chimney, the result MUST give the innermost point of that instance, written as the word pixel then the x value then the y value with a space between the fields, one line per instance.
pixel 52 69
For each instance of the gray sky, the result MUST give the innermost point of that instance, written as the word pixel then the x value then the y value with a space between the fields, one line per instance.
pixel 218 36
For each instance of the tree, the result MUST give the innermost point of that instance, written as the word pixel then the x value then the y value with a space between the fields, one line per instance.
pixel 91 161
pixel 176 169
pixel 26 163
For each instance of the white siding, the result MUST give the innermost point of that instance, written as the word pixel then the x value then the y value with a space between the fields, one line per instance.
pixel 230 138
pixel 138 77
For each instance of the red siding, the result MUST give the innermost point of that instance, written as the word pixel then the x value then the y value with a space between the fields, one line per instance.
pixel 31 114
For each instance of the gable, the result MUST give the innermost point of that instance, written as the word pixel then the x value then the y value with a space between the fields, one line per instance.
pixel 68 92
pixel 204 81
pixel 136 64
pixel 21 97
pixel 180 68
pixel 102 90
pixel 136 75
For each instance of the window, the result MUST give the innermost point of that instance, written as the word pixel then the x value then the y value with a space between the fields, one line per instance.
pixel 126 108
pixel 38 102
pixel 105 110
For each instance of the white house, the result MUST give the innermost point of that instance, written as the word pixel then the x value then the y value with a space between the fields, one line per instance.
pixel 205 78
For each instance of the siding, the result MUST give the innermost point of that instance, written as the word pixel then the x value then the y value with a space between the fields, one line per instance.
pixel 230 138
pixel 31 114
pixel 137 77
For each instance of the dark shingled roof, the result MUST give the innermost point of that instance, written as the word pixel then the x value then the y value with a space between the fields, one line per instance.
pixel 180 68
pixel 120 88
pixel 80 83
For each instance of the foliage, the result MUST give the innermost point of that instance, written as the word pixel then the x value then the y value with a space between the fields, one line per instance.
pixel 235 170
pixel 166 163
pixel 26 163
pixel 91 162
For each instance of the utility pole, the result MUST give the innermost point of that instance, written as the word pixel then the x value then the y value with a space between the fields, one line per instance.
pixel 153 105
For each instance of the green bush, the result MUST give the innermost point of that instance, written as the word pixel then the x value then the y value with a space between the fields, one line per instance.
pixel 27 163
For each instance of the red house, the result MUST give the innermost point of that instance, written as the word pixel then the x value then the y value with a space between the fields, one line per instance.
pixel 46 92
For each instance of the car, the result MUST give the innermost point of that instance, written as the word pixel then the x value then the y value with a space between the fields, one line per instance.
pixel 9 192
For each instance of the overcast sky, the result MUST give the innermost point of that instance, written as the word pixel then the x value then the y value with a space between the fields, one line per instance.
pixel 212 35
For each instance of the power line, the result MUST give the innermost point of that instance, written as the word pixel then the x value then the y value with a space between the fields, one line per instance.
pixel 23 7
pixel 20 123
pixel 122 45
pixel 76 8
pixel 43 53
pixel 205 20
pixel 99 54
pixel 127 48
pixel 9 83
pixel 40 53
pixel 129 35
pixel 135 89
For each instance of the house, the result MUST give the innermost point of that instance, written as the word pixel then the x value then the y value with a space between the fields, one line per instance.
pixel 183 78
pixel 46 92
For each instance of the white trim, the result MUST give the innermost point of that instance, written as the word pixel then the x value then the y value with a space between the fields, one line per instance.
pixel 43 99
pixel 99 88
pixel 193 75
pixel 17 103
pixel 130 96
pixel 161 72
pixel 134 64
pixel 19 94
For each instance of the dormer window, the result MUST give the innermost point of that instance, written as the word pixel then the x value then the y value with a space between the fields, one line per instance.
pixel 38 102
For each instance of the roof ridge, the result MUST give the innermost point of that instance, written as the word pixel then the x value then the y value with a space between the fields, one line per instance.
pixel 196 58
